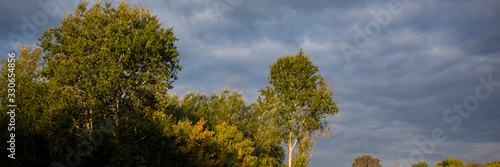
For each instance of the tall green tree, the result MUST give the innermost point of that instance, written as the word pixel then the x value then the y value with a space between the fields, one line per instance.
pixel 109 64
pixel 366 161
pixel 299 102
pixel 112 60
pixel 450 162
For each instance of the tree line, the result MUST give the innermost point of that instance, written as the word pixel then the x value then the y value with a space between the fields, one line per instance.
pixel 368 161
pixel 95 92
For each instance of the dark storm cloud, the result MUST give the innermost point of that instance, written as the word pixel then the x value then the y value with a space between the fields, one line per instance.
pixel 392 93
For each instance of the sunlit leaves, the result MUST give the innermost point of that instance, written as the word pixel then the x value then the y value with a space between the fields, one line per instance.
pixel 366 161
pixel 450 162
pixel 493 164
pixel 114 57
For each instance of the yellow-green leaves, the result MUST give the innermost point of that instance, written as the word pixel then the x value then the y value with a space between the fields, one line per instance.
pixel 366 161
pixel 450 162
pixel 493 164
pixel 225 145
pixel 420 164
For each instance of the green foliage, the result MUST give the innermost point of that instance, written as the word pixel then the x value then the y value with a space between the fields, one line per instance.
pixel 217 108
pixel 473 164
pixel 30 118
pixel 191 142
pixel 196 145
pixel 102 77
pixel 230 108
pixel 267 141
pixel 298 103
pixel 111 60
pixel 450 162
pixel 232 148
pixel 366 161
pixel 108 64
pixel 493 164
pixel 420 164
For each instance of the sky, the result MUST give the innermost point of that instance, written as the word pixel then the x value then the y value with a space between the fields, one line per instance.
pixel 413 80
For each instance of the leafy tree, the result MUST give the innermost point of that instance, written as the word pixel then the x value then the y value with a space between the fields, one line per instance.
pixel 102 63
pixel 112 60
pixel 267 141
pixel 109 63
pixel 366 161
pixel 298 101
pixel 197 145
pixel 190 143
pixel 419 164
pixel 230 108
pixel 232 148
pixel 227 107
pixel 106 64
pixel 450 162
pixel 493 164
pixel 473 164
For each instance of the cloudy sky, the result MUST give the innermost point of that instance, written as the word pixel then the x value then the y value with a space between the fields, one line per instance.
pixel 414 80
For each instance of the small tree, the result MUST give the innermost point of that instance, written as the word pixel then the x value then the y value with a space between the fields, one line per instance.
pixel 473 164
pixel 450 162
pixel 298 102
pixel 366 161
pixel 419 164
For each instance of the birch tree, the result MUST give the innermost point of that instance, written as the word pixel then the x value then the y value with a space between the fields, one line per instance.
pixel 299 102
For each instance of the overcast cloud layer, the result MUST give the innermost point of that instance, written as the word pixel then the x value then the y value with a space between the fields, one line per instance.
pixel 396 66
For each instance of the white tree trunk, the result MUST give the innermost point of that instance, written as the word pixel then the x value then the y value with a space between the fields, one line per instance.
pixel 290 149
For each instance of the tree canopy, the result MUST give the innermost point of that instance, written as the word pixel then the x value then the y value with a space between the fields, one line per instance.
pixel 450 162
pixel 366 161
pixel 493 164
pixel 473 164
pixel 110 59
pixel 95 93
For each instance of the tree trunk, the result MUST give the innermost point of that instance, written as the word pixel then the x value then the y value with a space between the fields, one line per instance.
pixel 290 149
